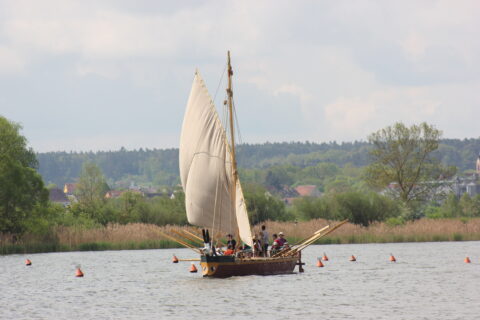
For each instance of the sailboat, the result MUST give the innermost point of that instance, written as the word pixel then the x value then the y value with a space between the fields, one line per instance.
pixel 214 198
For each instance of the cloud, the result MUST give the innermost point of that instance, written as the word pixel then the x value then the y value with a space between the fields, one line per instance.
pixel 303 70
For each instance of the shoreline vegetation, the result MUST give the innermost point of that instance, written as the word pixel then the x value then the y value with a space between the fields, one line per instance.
pixel 138 236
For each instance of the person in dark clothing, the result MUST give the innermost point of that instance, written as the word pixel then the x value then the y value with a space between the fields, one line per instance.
pixel 231 242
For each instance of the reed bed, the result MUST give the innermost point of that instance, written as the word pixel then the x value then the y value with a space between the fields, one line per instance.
pixel 423 230
pixel 147 236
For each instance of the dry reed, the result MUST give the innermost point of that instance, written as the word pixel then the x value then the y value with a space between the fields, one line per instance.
pixel 418 230
pixel 147 236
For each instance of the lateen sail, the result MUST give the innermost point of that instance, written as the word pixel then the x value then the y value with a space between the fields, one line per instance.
pixel 242 216
pixel 206 170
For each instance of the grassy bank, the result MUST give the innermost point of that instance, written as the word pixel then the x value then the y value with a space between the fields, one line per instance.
pixel 145 236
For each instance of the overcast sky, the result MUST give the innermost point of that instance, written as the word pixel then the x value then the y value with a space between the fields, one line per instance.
pixel 99 75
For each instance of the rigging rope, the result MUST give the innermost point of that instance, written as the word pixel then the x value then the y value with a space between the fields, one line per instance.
pixel 220 83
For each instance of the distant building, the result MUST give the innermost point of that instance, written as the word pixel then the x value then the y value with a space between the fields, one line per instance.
pixel 69 188
pixel 56 195
pixel 458 185
pixel 469 184
pixel 113 194
pixel 153 194
pixel 309 190
pixel 289 195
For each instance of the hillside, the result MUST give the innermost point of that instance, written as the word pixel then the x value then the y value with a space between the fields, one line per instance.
pixel 160 167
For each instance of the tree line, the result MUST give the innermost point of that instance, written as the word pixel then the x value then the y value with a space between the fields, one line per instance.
pixel 158 167
pixel 408 157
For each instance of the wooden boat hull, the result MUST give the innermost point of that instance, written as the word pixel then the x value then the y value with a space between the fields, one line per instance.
pixel 229 266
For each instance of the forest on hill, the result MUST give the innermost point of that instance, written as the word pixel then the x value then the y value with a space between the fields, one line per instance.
pixel 286 163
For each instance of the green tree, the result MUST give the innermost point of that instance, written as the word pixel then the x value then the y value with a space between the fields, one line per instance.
pixel 308 208
pixel 91 189
pixel 92 186
pixel 262 206
pixel 130 202
pixel 451 207
pixel 278 177
pixel 403 155
pixel 358 208
pixel 21 187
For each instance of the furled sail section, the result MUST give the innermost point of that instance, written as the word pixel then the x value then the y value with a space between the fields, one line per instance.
pixel 205 164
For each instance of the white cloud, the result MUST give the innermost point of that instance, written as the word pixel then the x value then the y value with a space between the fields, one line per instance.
pixel 353 67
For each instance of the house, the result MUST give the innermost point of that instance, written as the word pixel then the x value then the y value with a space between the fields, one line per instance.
pixel 289 195
pixel 153 194
pixel 113 194
pixel 56 195
pixel 69 188
pixel 309 190
pixel 458 185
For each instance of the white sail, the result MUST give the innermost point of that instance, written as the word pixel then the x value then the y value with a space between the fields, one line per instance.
pixel 205 167
pixel 242 216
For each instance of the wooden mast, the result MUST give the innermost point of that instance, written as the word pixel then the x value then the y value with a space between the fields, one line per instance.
pixel 232 140
pixel 230 112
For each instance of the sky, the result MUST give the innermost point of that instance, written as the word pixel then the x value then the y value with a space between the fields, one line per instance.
pixel 101 75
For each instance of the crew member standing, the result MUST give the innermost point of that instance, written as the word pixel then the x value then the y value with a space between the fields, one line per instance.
pixel 264 238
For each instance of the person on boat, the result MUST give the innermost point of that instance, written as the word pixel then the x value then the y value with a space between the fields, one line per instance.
pixel 281 239
pixel 231 242
pixel 264 239
pixel 275 245
pixel 257 245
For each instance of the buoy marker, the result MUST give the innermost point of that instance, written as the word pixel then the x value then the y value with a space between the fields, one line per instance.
pixel 319 263
pixel 28 262
pixel 392 258
pixel 78 273
pixel 467 260
pixel 193 269
pixel 174 259
pixel 352 258
pixel 324 258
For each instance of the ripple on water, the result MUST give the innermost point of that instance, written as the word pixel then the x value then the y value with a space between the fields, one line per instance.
pixel 430 280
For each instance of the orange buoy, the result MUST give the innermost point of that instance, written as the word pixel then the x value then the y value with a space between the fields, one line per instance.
pixel 193 269
pixel 78 273
pixel 352 258
pixel 174 259
pixel 319 263
pixel 28 262
pixel 324 258
pixel 392 258
pixel 467 260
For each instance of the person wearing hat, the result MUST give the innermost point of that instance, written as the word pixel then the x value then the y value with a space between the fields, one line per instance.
pixel 281 239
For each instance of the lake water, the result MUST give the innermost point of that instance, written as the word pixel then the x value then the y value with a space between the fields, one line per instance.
pixel 428 281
